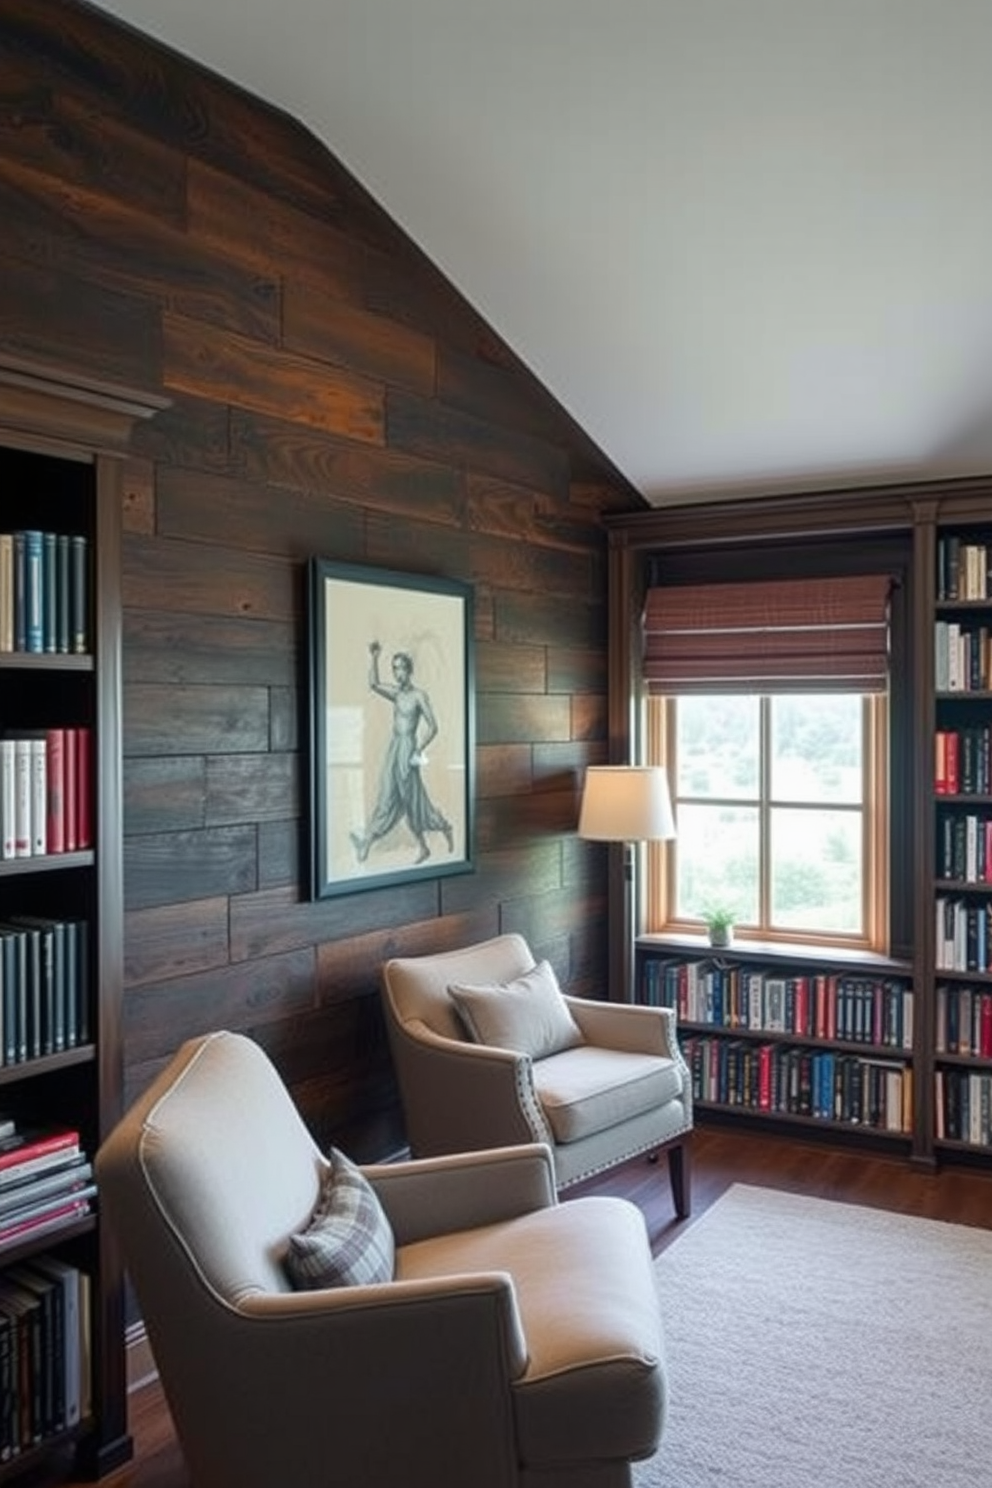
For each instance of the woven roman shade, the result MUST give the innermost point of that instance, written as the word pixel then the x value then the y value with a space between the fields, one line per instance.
pixel 780 635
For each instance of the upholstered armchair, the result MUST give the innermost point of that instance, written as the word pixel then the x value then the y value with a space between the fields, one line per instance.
pixel 598 1082
pixel 515 1342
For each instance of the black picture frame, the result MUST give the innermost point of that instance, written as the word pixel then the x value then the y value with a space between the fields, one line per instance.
pixel 392 730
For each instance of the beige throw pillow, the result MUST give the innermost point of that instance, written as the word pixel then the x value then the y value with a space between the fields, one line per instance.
pixel 528 1015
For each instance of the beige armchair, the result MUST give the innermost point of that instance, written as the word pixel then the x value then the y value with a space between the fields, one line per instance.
pixel 517 1345
pixel 618 1089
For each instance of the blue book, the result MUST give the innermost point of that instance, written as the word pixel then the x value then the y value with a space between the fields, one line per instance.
pixel 34 623
pixel 49 582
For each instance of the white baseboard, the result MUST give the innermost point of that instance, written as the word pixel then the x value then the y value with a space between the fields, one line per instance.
pixel 141 1369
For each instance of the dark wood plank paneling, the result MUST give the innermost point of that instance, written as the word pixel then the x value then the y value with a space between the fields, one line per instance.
pixel 174 940
pixel 171 867
pixel 538 618
pixel 428 428
pixel 191 432
pixel 503 769
pixel 181 648
pixel 139 496
pixel 52 133
pixel 195 720
pixel 164 793
pixel 252 788
pixel 513 718
pixel 504 875
pixel 55 318
pixel 208 580
pixel 199 359
pixel 166 96
pixel 264 923
pixel 246 514
pixel 89 235
pixel 250 226
pixel 281 855
pixel 510 668
pixel 575 670
pixel 161 1014
pixel 306 459
pixel 320 325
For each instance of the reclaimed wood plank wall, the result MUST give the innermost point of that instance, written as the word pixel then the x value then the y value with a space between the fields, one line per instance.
pixel 331 394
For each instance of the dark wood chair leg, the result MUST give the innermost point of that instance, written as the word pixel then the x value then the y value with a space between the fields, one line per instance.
pixel 680 1177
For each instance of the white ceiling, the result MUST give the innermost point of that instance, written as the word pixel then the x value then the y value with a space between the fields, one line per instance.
pixel 746 243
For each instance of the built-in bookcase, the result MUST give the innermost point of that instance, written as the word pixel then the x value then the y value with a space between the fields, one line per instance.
pixel 934 539
pixel 790 1037
pixel 962 795
pixel 62 440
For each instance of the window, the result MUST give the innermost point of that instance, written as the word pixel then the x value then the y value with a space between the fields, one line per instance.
pixel 780 809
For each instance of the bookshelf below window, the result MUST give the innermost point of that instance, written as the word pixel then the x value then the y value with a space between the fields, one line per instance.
pixel 790 1035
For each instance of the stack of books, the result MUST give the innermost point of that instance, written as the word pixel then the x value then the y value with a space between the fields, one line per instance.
pixel 46 1183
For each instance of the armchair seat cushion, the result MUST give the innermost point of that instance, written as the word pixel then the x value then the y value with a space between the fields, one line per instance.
pixel 594 1383
pixel 588 1089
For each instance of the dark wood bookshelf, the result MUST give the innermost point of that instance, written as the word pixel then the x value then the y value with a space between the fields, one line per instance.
pixel 62 443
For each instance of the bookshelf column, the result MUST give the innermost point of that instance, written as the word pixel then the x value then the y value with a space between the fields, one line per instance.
pixel 62 443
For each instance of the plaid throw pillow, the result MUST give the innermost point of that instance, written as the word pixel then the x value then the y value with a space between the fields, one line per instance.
pixel 349 1240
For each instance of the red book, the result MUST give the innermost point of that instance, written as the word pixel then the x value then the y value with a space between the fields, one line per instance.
pixel 84 787
pixel 26 1147
pixel 55 815
pixel 953 752
pixel 985 1026
pixel 765 1076
pixel 71 763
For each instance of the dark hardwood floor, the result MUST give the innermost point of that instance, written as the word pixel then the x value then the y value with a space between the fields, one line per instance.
pixel 721 1157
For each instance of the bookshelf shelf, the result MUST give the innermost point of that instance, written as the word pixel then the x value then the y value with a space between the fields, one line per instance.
pixel 62 443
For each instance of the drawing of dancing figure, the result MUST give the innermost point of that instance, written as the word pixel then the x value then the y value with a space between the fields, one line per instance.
pixel 401 792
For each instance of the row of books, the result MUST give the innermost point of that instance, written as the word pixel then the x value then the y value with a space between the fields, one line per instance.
pixel 962 569
pixel 44 592
pixel 964 1021
pixel 823 1005
pixel 964 1106
pixel 964 847
pixel 962 657
pixel 46 792
pixel 44 1352
pixel 963 934
pixel 823 1084
pixel 963 761
pixel 44 987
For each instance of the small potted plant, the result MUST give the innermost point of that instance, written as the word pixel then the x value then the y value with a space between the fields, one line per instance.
pixel 719 923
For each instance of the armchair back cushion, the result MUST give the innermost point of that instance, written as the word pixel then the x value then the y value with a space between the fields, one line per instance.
pixel 418 987
pixel 528 1014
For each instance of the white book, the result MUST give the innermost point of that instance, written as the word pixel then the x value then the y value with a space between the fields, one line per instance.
pixel 39 795
pixel 7 796
pixel 22 797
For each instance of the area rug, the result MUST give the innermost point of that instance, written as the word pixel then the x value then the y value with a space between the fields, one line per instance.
pixel 823 1344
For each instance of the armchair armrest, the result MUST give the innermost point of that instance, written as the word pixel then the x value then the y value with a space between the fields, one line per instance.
pixel 420 1350
pixel 627 1026
pixel 438 1195
pixel 463 1097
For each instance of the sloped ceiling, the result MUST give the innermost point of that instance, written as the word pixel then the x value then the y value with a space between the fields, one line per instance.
pixel 746 243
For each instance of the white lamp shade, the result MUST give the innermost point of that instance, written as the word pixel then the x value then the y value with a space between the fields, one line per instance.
pixel 626 803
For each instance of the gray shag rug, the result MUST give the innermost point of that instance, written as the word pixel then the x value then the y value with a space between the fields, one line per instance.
pixel 814 1344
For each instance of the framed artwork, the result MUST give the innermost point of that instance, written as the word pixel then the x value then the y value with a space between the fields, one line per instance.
pixel 392 727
